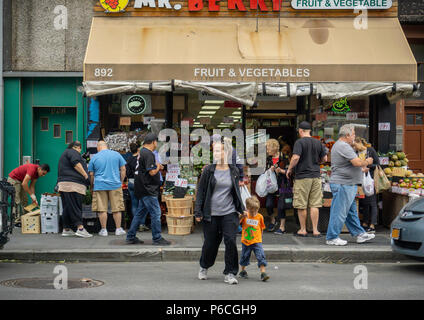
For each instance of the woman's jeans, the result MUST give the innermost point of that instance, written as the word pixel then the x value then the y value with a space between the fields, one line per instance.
pixel 343 211
pixel 136 205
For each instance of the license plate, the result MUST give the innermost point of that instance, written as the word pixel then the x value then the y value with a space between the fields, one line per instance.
pixel 395 234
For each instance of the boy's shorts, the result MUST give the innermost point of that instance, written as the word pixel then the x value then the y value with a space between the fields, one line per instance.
pixel 246 251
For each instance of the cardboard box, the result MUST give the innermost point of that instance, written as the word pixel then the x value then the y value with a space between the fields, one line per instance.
pixel 31 222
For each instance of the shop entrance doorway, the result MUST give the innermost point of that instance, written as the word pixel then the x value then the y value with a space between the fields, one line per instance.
pixel 414 137
pixel 54 128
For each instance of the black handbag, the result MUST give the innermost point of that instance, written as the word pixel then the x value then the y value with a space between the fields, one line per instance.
pixel 285 200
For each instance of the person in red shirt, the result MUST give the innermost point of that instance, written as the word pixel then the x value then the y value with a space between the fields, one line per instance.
pixel 24 178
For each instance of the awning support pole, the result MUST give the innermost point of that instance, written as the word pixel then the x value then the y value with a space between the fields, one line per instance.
pixel 169 110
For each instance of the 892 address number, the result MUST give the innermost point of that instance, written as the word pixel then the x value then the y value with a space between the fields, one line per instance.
pixel 103 72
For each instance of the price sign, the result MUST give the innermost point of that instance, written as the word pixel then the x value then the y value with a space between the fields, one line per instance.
pixel 181 183
pixel 384 126
pixel 171 177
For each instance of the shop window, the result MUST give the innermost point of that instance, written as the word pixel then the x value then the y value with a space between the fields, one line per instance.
pixel 69 137
pixel 410 119
pixel 419 118
pixel 44 124
pixel 56 131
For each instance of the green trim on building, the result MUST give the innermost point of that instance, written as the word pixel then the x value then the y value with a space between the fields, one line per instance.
pixel 22 96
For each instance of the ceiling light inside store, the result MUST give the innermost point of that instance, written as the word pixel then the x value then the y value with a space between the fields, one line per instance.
pixel 214 101
pixel 198 126
pixel 211 107
pixel 207 112
pixel 237 113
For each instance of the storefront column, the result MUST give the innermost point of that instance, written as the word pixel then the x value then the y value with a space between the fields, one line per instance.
pixel 169 110
pixel 386 114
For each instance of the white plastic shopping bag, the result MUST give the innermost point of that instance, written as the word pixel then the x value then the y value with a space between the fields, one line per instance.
pixel 368 184
pixel 245 194
pixel 267 183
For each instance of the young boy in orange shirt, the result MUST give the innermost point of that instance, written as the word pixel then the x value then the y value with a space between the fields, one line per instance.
pixel 253 226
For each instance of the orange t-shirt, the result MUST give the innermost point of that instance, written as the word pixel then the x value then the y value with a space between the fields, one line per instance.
pixel 252 229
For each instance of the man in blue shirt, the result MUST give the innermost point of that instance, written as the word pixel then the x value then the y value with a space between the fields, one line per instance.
pixel 107 171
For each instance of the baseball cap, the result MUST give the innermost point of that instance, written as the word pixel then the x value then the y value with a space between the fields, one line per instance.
pixel 150 138
pixel 305 125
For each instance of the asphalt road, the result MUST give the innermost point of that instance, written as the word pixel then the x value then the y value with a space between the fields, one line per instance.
pixel 178 281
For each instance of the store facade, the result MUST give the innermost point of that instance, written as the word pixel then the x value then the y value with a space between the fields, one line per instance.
pixel 227 64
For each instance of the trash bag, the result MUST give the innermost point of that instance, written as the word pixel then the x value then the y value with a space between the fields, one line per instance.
pixel 267 183
pixel 368 184
pixel 381 182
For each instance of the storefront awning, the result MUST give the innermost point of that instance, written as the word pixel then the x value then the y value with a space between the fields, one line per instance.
pixel 235 57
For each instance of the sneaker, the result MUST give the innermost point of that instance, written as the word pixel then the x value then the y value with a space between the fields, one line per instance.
pixel 83 233
pixel 120 232
pixel 336 242
pixel 243 274
pixel 143 227
pixel 162 242
pixel 103 233
pixel 264 276
pixel 203 274
pixel 365 237
pixel 279 231
pixel 230 279
pixel 68 233
pixel 134 241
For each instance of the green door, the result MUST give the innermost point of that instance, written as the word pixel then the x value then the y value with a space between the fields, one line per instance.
pixel 54 128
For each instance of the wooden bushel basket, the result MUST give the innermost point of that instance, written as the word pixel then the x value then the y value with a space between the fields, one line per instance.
pixel 179 207
pixel 179 225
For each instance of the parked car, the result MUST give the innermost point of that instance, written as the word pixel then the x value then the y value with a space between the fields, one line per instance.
pixel 407 230
pixel 7 203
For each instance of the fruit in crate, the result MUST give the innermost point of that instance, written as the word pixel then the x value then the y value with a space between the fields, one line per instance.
pixel 403 163
pixel 403 185
pixel 391 164
pixel 420 175
pixel 398 164
pixel 409 173
pixel 388 171
pixel 395 158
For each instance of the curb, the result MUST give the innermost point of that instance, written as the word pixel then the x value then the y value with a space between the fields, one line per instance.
pixel 285 254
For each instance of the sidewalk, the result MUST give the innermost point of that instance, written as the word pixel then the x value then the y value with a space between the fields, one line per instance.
pixel 282 248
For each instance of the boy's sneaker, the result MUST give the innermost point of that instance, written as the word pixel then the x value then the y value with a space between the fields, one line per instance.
pixel 83 233
pixel 365 237
pixel 162 242
pixel 243 274
pixel 134 241
pixel 120 232
pixel 203 274
pixel 230 279
pixel 103 233
pixel 68 233
pixel 264 276
pixel 143 227
pixel 336 242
